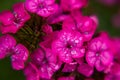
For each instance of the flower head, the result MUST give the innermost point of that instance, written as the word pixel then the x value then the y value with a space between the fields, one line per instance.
pixel 99 53
pixel 83 24
pixel 43 8
pixel 11 22
pixel 7 42
pixel 19 56
pixel 46 61
pixel 68 45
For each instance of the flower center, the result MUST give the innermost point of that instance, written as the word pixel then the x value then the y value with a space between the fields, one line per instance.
pixel 41 5
pixel 69 46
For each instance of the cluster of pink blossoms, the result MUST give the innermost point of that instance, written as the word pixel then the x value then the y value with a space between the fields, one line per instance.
pixel 59 41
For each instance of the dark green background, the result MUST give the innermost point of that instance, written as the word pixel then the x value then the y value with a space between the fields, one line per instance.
pixel 104 14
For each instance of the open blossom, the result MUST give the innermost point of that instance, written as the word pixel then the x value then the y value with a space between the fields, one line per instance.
pixel 73 4
pixel 68 45
pixel 7 42
pixel 99 53
pixel 83 24
pixel 19 56
pixel 46 61
pixel 11 22
pixel 43 8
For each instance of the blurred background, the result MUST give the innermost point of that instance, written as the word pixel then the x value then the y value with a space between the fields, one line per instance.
pixel 107 11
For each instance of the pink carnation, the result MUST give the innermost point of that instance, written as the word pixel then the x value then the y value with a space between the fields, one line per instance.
pixel 12 22
pixel 99 53
pixel 43 8
pixel 68 45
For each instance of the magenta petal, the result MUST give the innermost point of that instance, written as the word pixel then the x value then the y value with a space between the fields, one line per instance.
pixel 50 9
pixel 7 42
pixel 5 17
pixel 99 66
pixel 85 69
pixel 73 4
pixel 20 11
pixel 65 57
pixel 47 28
pixel 2 52
pixel 90 58
pixel 20 56
pixel 31 72
pixel 17 64
pixel 31 5
pixel 69 24
pixel 106 57
pixel 69 67
pixel 77 53
pixel 49 2
pixel 8 29
pixel 46 72
pixel 37 56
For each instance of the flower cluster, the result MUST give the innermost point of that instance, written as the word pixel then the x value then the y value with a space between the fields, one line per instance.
pixel 55 41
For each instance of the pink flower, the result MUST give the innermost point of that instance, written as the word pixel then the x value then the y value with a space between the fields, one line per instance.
pixel 43 8
pixel 73 4
pixel 46 62
pixel 7 42
pixel 31 72
pixel 68 45
pixel 19 56
pixel 85 69
pixel 99 53
pixel 49 65
pixel 83 24
pixel 12 22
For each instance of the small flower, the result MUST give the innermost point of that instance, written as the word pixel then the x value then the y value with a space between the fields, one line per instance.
pixel 7 42
pixel 46 61
pixel 68 45
pixel 85 69
pixel 31 72
pixel 49 65
pixel 99 53
pixel 43 8
pixel 11 22
pixel 83 24
pixel 73 4
pixel 19 56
